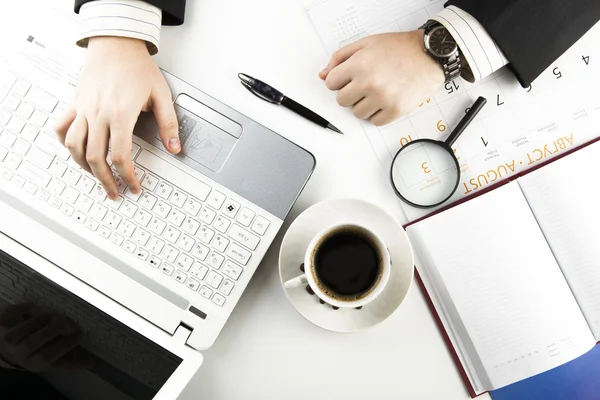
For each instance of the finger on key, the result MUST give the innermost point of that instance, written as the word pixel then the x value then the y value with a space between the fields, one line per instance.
pixel 166 118
pixel 97 151
pixel 120 151
pixel 76 140
pixel 63 123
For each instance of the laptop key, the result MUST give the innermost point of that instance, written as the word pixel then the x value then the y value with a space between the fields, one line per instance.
pixel 221 224
pixel 157 226
pixel 30 133
pixel 231 209
pixel 42 99
pixel 21 147
pixel 19 181
pixel 129 247
pixel 214 279
pixel 207 215
pixel 93 225
pixel 227 287
pixel 141 237
pixel 5 117
pixel 156 245
pixel 206 292
pixel 150 182
pixel 163 190
pixel 200 251
pixel 42 159
pixel 199 271
pixel 180 276
pixel 26 110
pixel 155 261
pixel 142 253
pixel 216 199
pixel 22 87
pixel 192 207
pixel 167 269
pixel 218 300
pixel 237 253
pixel 220 243
pixel 244 237
pixel 178 198
pixel 186 243
pixel 260 226
pixel 184 262
pixel 192 284
pixel 170 253
pixel 232 270
pixel 215 260
pixel 7 139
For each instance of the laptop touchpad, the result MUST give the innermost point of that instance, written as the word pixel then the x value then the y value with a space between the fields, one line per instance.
pixel 207 136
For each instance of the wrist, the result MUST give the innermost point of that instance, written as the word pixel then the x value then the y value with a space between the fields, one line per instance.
pixel 111 42
pixel 433 68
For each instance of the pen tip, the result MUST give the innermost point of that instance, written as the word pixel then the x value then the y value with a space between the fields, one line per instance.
pixel 333 128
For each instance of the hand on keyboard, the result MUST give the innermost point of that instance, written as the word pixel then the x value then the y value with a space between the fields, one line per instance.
pixel 118 81
pixel 38 341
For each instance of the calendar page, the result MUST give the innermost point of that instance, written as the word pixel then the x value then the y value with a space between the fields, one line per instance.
pixel 517 129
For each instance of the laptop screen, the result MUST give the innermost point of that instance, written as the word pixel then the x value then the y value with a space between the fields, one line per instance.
pixel 54 345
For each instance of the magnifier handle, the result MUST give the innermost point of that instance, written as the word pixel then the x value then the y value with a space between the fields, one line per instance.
pixel 466 121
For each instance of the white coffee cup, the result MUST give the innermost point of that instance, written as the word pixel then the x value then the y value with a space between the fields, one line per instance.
pixel 309 276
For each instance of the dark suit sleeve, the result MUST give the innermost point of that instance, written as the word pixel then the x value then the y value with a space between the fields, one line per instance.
pixel 173 10
pixel 533 33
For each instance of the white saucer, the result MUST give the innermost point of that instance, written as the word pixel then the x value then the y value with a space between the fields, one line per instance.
pixel 327 213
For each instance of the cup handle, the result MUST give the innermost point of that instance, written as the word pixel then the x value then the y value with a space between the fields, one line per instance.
pixel 296 282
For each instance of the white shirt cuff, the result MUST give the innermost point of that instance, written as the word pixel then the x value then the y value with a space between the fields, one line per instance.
pixel 124 18
pixel 477 47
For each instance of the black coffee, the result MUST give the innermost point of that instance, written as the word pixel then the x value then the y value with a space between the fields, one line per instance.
pixel 347 264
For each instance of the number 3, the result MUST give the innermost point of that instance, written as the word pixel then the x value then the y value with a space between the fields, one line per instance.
pixel 425 167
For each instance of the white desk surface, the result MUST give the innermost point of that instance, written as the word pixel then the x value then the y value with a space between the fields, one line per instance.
pixel 267 350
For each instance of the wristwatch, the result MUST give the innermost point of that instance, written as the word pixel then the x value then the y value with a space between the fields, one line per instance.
pixel 440 44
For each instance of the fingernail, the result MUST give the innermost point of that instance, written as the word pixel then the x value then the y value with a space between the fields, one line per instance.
pixel 135 190
pixel 325 70
pixel 174 144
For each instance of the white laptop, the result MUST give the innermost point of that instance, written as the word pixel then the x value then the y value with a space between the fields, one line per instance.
pixel 168 265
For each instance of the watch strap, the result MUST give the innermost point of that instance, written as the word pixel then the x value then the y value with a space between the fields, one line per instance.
pixel 452 67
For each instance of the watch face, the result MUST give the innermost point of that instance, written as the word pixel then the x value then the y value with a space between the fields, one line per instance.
pixel 441 43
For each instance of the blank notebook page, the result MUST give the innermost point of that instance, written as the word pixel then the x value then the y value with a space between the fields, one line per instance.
pixel 565 198
pixel 506 286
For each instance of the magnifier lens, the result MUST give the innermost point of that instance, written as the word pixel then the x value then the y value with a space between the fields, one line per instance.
pixel 425 173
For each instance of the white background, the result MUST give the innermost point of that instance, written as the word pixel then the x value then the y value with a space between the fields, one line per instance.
pixel 267 350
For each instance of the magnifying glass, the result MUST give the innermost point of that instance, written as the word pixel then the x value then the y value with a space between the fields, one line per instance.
pixel 426 173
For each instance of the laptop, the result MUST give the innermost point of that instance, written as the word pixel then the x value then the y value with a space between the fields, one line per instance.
pixel 166 267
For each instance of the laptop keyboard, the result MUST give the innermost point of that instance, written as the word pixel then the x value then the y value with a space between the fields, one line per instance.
pixel 102 336
pixel 190 231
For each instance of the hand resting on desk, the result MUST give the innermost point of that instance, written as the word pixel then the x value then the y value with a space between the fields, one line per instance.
pixel 383 77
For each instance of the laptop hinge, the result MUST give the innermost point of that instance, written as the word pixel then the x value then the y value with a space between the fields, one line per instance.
pixel 182 334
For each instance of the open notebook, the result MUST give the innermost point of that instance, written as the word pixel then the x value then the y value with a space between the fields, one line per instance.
pixel 514 275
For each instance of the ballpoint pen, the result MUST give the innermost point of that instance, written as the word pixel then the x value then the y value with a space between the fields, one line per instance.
pixel 274 96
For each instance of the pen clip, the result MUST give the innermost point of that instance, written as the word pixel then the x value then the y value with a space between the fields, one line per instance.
pixel 261 89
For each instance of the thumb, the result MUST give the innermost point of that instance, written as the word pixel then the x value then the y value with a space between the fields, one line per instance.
pixel 166 118
pixel 342 55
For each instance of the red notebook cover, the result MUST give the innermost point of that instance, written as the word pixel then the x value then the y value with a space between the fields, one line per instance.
pixel 434 312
